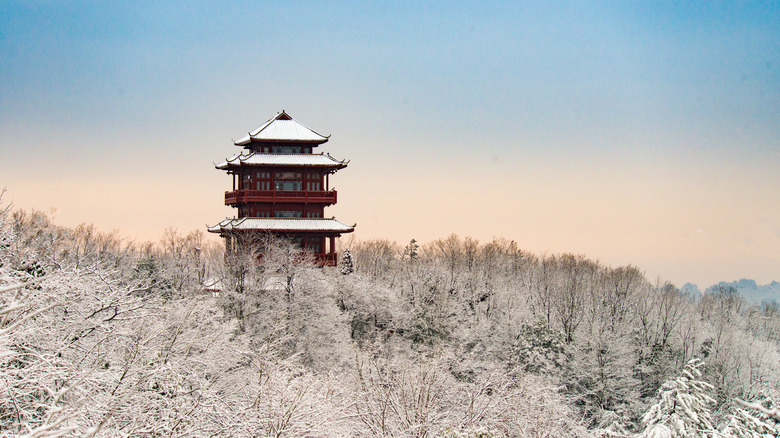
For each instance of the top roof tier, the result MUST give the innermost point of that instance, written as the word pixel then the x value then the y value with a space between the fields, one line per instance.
pixel 282 129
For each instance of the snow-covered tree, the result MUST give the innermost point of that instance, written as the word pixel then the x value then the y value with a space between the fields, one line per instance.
pixel 758 419
pixel 375 258
pixel 470 340
pixel 683 408
pixel 411 251
pixel 347 265
pixel 612 425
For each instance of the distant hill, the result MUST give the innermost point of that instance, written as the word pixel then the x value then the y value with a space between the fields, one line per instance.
pixel 691 289
pixel 752 292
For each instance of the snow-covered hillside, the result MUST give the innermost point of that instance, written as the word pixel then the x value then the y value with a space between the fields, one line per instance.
pixel 453 338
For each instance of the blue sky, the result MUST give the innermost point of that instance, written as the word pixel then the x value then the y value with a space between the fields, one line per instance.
pixel 630 132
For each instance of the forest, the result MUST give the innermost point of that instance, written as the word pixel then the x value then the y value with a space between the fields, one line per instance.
pixel 100 336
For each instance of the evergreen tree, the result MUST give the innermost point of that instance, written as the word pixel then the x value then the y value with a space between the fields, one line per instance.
pixel 347 266
pixel 683 408
pixel 612 425
pixel 760 419
pixel 411 250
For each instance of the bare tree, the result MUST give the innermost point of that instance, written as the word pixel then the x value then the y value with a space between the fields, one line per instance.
pixel 575 277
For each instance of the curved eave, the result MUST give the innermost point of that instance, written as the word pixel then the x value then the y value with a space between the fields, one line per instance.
pixel 229 165
pixel 256 159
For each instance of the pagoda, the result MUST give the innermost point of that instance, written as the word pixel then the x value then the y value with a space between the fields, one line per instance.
pixel 281 188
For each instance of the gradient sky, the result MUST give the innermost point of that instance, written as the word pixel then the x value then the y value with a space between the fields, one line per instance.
pixel 633 133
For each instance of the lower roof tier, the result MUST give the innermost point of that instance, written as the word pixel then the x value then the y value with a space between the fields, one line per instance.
pixel 282 225
pixel 282 160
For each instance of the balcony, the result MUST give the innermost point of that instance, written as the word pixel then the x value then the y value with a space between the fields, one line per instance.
pixel 274 196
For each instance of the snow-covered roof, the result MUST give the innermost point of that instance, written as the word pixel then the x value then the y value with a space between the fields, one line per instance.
pixel 282 128
pixel 281 225
pixel 255 158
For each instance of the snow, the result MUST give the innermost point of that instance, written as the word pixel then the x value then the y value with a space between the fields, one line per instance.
pixel 282 224
pixel 282 128
pixel 254 158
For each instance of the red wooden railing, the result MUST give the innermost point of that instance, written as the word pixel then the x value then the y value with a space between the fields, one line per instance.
pixel 305 196
pixel 326 259
pixel 319 259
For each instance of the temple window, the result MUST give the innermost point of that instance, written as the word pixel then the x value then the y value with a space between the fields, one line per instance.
pixel 314 244
pixel 287 181
pixel 264 180
pixel 288 213
pixel 287 149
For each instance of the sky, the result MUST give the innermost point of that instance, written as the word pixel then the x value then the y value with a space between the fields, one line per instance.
pixel 643 133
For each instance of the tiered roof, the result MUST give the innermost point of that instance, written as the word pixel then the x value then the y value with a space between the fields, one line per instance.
pixel 255 158
pixel 281 225
pixel 283 129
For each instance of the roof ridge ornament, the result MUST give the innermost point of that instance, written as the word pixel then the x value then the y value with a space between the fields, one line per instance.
pixel 344 161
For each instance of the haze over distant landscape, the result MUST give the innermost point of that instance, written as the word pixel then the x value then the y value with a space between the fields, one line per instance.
pixel 631 133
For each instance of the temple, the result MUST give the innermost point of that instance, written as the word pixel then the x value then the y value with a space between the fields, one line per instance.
pixel 281 187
